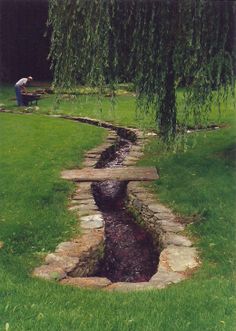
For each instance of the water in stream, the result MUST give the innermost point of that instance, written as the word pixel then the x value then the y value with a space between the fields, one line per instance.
pixel 130 255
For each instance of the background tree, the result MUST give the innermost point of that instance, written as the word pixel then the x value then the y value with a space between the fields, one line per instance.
pixel 158 45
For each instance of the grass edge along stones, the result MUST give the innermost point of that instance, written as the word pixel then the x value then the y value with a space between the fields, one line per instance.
pixel 73 261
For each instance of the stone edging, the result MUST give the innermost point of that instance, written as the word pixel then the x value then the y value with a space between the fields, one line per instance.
pixel 74 261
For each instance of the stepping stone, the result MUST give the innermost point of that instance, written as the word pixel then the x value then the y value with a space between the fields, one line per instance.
pixel 121 174
pixel 87 282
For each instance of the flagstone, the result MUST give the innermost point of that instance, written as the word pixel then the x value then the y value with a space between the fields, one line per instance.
pixel 163 278
pixel 175 239
pixel 67 263
pixel 158 208
pixel 86 282
pixel 178 258
pixel 170 226
pixel 49 272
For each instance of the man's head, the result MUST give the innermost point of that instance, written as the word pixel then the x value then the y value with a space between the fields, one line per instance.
pixel 29 78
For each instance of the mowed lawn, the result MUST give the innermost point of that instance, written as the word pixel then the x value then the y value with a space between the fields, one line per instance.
pixel 199 184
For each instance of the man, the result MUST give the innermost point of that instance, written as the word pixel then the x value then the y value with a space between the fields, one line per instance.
pixel 19 88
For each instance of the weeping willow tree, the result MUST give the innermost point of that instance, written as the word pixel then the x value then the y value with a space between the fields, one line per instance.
pixel 158 45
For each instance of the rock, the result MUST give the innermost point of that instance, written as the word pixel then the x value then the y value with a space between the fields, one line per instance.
pixel 92 217
pixel 69 248
pixel 170 226
pixel 87 207
pixel 131 158
pixel 49 272
pixel 127 287
pixel 147 198
pixel 136 149
pixel 67 263
pixel 89 163
pixel 83 196
pixel 178 259
pixel 92 221
pixel 128 163
pixel 86 282
pixel 73 208
pixel 136 154
pixel 158 208
pixel 137 204
pixel 165 216
pixel 86 202
pixel 87 242
pixel 135 187
pixel 91 225
pixel 164 278
pixel 175 239
pixel 86 212
pixel 92 155
pixel 84 186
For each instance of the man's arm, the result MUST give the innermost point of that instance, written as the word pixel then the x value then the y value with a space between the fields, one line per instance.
pixel 23 88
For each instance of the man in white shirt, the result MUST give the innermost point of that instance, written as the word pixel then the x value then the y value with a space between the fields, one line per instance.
pixel 19 88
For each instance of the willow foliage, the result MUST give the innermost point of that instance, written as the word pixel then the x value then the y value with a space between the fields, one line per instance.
pixel 159 45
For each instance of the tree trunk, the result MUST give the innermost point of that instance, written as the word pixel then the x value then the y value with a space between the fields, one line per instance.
pixel 167 116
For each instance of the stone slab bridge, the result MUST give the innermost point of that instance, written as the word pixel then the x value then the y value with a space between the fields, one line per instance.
pixel 121 174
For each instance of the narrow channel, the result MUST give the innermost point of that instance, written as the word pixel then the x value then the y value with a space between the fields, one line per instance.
pixel 130 255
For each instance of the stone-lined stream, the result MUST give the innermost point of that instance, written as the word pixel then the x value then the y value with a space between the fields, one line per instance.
pixel 130 255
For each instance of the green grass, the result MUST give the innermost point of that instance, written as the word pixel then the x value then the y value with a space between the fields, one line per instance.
pixel 122 111
pixel 199 184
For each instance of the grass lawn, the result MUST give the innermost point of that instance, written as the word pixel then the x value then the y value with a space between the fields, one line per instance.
pixel 198 184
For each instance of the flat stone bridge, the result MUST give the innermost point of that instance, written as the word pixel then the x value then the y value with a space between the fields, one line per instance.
pixel 121 174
